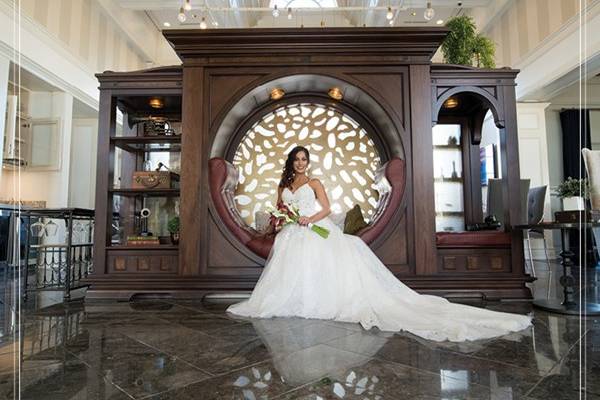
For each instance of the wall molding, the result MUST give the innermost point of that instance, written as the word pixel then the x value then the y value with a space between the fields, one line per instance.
pixel 42 54
pixel 545 70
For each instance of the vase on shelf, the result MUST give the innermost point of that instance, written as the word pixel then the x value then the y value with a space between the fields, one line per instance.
pixel 573 203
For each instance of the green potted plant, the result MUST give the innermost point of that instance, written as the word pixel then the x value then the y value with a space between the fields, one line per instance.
pixel 573 193
pixel 173 227
pixel 463 46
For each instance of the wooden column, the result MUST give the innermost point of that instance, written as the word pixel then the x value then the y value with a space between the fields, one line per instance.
pixel 422 170
pixel 105 165
pixel 511 177
pixel 192 254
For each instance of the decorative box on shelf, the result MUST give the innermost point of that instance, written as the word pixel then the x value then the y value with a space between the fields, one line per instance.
pixel 577 216
pixel 143 241
pixel 155 180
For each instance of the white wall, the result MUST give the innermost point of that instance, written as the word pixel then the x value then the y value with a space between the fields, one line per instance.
pixel 82 179
pixel 50 186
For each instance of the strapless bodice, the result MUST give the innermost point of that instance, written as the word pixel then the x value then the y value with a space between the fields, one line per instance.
pixel 303 198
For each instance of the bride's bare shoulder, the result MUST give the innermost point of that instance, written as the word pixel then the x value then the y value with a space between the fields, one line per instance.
pixel 315 183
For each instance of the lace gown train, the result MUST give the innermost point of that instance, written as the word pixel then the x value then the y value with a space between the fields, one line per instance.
pixel 341 279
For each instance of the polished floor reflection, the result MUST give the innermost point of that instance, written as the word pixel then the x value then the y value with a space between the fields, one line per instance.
pixel 166 349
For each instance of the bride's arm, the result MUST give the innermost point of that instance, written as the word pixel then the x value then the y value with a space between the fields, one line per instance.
pixel 279 191
pixel 317 186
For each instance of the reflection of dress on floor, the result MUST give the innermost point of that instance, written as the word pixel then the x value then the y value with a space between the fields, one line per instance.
pixel 340 278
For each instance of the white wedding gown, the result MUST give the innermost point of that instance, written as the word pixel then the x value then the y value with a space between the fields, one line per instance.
pixel 341 279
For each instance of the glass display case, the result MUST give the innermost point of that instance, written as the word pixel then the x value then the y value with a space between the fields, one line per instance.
pixel 448 177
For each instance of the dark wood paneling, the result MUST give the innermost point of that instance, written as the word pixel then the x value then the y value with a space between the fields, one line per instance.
pixel 225 87
pixel 193 210
pixel 473 261
pixel 394 250
pixel 142 261
pixel 104 178
pixel 222 253
pixel 389 86
pixel 422 170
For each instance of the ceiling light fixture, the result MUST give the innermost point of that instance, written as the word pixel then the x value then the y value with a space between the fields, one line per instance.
pixel 275 11
pixel 181 16
pixel 203 23
pixel 289 12
pixel 156 102
pixel 215 23
pixel 277 93
pixel 391 22
pixel 335 93
pixel 414 14
pixel 439 21
pixel 429 12
pixel 187 6
pixel 166 24
pixel 452 102
pixel 389 15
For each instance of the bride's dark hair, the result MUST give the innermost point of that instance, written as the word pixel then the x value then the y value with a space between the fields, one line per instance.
pixel 287 177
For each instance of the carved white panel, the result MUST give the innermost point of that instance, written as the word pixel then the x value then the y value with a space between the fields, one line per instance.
pixel 342 157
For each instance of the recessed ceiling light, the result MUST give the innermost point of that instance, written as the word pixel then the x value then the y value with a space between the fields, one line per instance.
pixel 439 21
pixel 166 24
pixel 414 14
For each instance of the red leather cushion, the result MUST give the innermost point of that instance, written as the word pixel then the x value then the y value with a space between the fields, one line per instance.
pixel 473 239
pixel 217 174
pixel 261 245
pixel 395 173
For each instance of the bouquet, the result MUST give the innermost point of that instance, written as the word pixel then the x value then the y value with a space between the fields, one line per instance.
pixel 286 214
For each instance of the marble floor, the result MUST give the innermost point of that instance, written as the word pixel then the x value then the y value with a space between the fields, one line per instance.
pixel 165 349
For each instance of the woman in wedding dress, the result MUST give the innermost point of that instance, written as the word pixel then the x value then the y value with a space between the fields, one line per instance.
pixel 341 279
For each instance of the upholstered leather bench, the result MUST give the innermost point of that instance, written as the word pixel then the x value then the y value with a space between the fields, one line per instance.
pixel 390 181
pixel 476 239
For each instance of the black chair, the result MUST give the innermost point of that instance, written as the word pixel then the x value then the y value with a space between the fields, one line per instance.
pixel 535 214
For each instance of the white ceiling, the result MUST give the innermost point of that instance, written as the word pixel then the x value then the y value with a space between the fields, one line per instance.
pixel 258 13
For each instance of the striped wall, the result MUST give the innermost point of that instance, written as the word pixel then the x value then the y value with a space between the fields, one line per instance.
pixel 87 31
pixel 525 24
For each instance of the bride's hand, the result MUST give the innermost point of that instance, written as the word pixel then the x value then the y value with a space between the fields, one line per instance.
pixel 303 221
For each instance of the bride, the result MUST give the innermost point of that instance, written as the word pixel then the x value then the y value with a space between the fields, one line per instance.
pixel 341 279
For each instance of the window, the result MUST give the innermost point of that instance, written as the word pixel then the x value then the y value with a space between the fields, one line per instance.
pixel 342 156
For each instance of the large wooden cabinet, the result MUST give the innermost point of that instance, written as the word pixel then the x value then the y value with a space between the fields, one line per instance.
pixel 225 80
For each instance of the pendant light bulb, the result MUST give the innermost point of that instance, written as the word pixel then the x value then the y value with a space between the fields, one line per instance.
pixel 289 12
pixel 389 14
pixel 187 6
pixel 181 16
pixel 429 12
pixel 203 23
pixel 275 11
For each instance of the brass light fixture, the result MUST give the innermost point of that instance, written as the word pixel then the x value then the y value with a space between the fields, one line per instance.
pixel 452 102
pixel 335 93
pixel 277 93
pixel 156 102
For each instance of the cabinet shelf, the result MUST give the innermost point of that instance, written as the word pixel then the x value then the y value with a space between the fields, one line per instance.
pixel 450 213
pixel 145 192
pixel 447 146
pixel 144 248
pixel 146 144
pixel 457 180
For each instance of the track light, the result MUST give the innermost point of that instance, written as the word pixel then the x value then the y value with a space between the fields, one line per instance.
pixel 181 16
pixel 187 6
pixel 429 12
pixel 289 12
pixel 203 23
pixel 275 11
pixel 389 14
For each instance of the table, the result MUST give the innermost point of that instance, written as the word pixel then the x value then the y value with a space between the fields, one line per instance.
pixel 568 305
